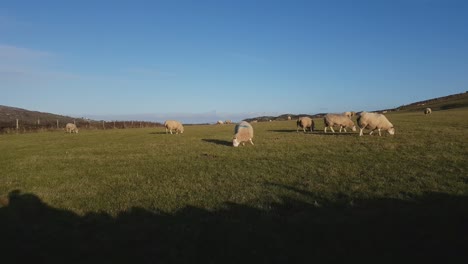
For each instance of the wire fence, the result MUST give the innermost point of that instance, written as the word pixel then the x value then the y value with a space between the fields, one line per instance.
pixel 21 126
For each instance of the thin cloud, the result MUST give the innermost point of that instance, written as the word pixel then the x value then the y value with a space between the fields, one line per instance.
pixel 14 53
pixel 24 65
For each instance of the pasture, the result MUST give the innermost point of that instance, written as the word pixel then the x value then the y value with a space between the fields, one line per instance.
pixel 142 195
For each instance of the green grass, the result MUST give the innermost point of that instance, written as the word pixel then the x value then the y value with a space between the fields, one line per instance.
pixel 292 179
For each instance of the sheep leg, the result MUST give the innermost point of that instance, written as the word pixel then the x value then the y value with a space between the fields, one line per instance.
pixel 340 128
pixel 360 131
pixel 332 129
pixel 166 130
pixel 170 130
pixel 251 142
pixel 344 129
pixel 325 130
pixel 380 133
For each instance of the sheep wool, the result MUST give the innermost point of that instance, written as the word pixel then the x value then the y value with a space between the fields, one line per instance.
pixel 305 122
pixel 374 121
pixel 174 125
pixel 71 128
pixel 243 132
pixel 342 120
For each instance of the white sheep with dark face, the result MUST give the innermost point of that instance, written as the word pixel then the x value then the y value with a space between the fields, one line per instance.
pixel 374 121
pixel 427 111
pixel 243 132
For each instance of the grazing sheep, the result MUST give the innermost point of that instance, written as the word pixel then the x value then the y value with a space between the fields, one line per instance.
pixel 341 120
pixel 243 132
pixel 71 128
pixel 220 122
pixel 289 117
pixel 228 122
pixel 305 122
pixel 255 121
pixel 374 121
pixel 174 125
pixel 427 111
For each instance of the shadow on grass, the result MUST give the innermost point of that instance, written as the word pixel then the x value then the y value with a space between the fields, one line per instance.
pixel 219 142
pixel 336 133
pixel 158 133
pixel 285 130
pixel 431 228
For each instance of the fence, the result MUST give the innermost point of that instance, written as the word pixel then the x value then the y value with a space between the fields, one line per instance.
pixel 19 126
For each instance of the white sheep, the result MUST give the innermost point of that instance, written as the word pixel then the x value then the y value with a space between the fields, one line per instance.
pixel 289 117
pixel 343 121
pixel 427 111
pixel 243 132
pixel 71 128
pixel 228 122
pixel 174 125
pixel 305 122
pixel 220 122
pixel 374 121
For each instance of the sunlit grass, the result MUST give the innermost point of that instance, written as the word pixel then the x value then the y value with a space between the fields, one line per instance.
pixel 116 169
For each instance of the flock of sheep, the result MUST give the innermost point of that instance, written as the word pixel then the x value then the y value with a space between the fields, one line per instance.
pixel 243 132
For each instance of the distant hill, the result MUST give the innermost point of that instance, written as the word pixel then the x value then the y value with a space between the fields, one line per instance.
pixel 29 121
pixel 8 116
pixel 436 104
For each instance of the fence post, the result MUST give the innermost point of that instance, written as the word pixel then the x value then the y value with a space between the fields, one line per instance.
pixel 17 124
pixel 103 125
pixel 57 124
pixel 114 124
pixel 38 121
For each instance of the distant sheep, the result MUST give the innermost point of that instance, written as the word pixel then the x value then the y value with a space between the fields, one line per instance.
pixel 305 122
pixel 71 128
pixel 427 111
pixel 374 121
pixel 220 122
pixel 342 120
pixel 243 132
pixel 289 117
pixel 228 122
pixel 174 125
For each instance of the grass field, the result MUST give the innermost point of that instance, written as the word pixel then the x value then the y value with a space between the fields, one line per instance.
pixel 141 195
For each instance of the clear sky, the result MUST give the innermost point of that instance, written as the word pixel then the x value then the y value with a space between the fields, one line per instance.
pixel 209 59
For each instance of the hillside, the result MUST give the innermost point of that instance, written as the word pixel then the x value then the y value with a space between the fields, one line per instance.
pixel 436 104
pixel 8 115
pixel 34 121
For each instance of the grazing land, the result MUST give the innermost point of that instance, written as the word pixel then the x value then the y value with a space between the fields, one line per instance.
pixel 142 195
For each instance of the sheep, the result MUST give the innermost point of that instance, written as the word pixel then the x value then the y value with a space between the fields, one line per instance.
pixel 289 117
pixel 243 132
pixel 220 122
pixel 336 119
pixel 305 122
pixel 174 125
pixel 228 122
pixel 427 111
pixel 374 121
pixel 71 128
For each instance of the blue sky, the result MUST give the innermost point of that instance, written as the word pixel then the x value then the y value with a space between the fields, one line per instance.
pixel 203 60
